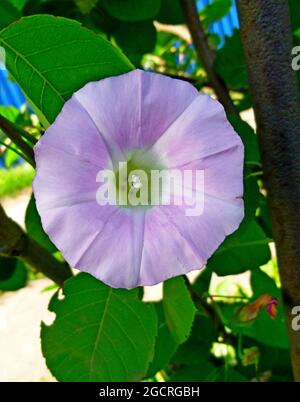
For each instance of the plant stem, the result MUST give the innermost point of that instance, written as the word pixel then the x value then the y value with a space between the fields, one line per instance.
pixel 14 135
pixel 228 297
pixel 267 41
pixel 14 242
pixel 16 150
pixel 206 55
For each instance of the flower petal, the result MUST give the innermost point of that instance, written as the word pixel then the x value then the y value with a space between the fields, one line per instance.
pixel 74 133
pixel 62 179
pixel 202 130
pixel 204 233
pixel 133 110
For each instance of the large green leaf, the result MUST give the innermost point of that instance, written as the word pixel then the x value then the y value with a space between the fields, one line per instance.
pixel 50 58
pixel 99 333
pixel 179 308
pixel 165 345
pixel 246 249
pixel 131 10
pixel 13 274
pixel 34 227
pixel 8 13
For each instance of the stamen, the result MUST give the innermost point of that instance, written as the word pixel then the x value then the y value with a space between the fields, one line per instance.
pixel 135 181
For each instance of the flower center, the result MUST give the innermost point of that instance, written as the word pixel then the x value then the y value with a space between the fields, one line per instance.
pixel 133 180
pixel 136 181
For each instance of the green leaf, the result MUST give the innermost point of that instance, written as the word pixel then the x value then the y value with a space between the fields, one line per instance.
pixel 34 227
pixel 8 13
pixel 136 38
pixel 276 360
pixel 251 196
pixel 99 333
pixel 251 161
pixel 204 330
pixel 179 308
pixel 170 12
pixel 215 11
pixel 202 283
pixel 131 10
pixel 295 14
pixel 264 217
pixel 13 274
pixel 86 6
pixel 246 249
pixel 165 345
pixel 52 57
pixel 10 112
pixel 10 157
pixel 19 4
pixel 230 63
pixel 197 347
pixel 248 137
pixel 191 353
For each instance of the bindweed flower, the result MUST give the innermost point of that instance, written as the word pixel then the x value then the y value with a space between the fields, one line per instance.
pixel 272 307
pixel 97 167
pixel 249 312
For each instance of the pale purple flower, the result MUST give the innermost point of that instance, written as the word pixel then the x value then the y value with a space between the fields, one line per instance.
pixel 170 124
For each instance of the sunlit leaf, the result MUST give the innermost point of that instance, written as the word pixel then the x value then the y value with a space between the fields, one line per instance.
pixel 99 333
pixel 179 308
pixel 51 58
